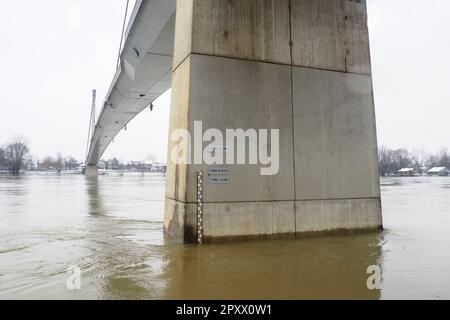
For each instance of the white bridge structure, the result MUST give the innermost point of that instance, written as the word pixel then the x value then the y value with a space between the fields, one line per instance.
pixel 144 72
pixel 302 67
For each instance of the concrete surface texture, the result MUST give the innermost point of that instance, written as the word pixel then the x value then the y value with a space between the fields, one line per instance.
pixel 300 66
pixel 91 171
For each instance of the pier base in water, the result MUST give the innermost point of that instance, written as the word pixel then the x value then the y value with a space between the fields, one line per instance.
pixel 90 171
pixel 301 67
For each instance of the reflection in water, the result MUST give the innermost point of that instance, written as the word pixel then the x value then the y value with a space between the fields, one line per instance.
pixel 333 267
pixel 111 228
pixel 327 268
pixel 14 190
pixel 126 261
pixel 94 200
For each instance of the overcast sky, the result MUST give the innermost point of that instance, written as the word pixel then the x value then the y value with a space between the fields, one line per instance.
pixel 51 62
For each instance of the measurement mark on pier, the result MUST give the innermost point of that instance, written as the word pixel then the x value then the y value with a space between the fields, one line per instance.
pixel 200 207
pixel 219 175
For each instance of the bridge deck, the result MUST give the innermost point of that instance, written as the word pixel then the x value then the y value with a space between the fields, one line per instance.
pixel 143 75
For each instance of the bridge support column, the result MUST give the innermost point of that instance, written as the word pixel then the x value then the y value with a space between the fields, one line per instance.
pixel 91 171
pixel 300 66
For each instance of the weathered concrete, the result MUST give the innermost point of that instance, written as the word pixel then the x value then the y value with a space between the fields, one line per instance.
pixel 176 219
pixel 335 135
pixel 259 219
pixel 242 94
pixel 234 68
pixel 227 221
pixel 245 29
pixel 338 215
pixel 90 171
pixel 331 35
pixel 176 187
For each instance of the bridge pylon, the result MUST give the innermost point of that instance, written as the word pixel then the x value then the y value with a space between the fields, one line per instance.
pixel 298 66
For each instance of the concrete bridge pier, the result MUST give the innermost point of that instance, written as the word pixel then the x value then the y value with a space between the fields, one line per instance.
pixel 91 171
pixel 300 66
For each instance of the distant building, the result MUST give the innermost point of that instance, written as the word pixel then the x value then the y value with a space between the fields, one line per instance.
pixel 159 167
pixel 407 172
pixel 30 164
pixel 132 166
pixel 113 164
pixel 423 171
pixel 102 164
pixel 439 172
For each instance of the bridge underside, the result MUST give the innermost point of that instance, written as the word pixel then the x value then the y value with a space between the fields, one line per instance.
pixel 145 72
pixel 300 66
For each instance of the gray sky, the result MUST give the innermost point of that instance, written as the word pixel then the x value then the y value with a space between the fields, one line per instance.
pixel 51 63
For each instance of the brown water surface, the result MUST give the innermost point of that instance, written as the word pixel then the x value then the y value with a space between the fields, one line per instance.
pixel 110 228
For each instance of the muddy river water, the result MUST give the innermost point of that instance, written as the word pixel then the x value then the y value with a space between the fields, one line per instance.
pixel 108 233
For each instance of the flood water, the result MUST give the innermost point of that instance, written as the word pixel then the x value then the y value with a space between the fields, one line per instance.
pixel 110 228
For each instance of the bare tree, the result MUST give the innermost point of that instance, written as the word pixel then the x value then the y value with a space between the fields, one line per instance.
pixel 2 158
pixel 47 163
pixel 385 159
pixel 59 162
pixel 433 161
pixel 15 154
pixel 71 163
pixel 444 158
pixel 393 160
